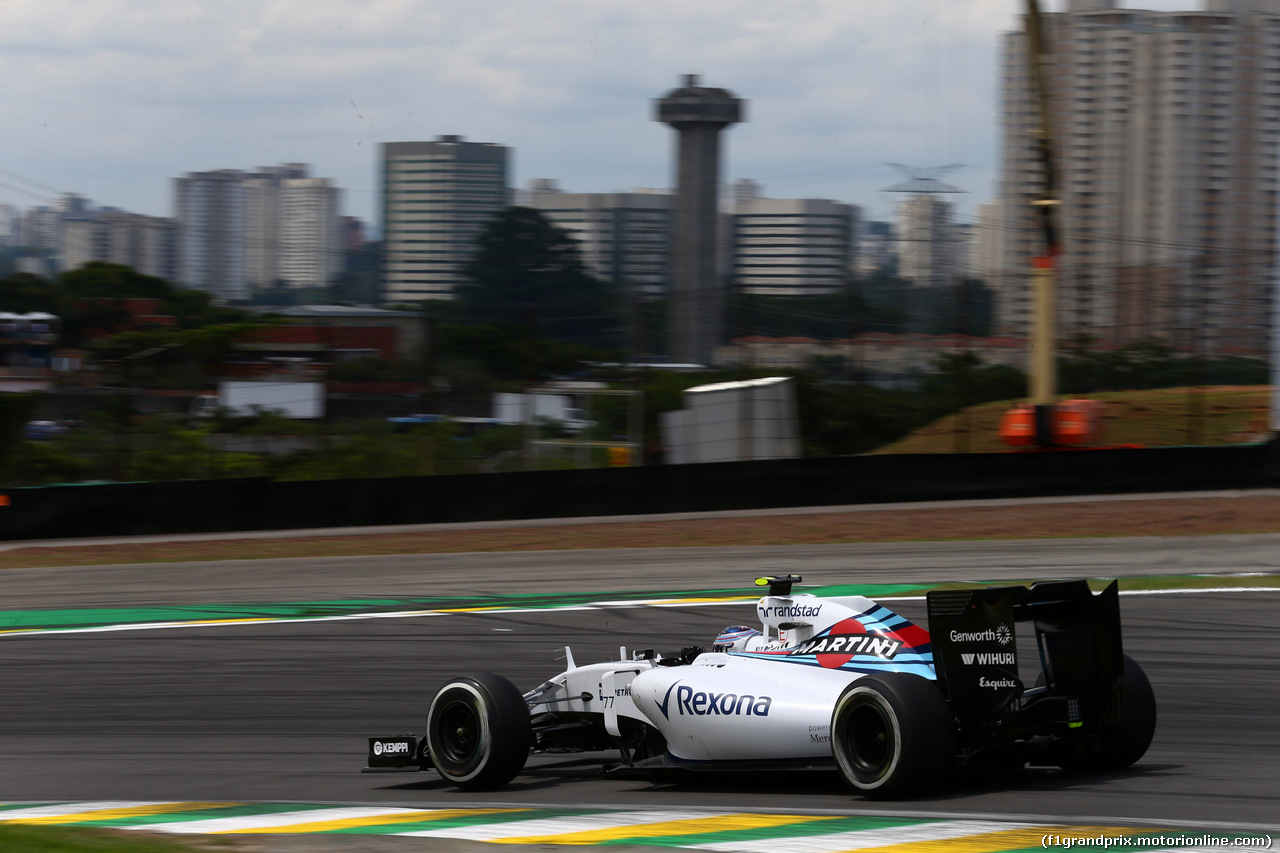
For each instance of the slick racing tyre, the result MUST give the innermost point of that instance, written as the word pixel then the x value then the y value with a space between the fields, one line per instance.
pixel 893 735
pixel 478 731
pixel 1127 740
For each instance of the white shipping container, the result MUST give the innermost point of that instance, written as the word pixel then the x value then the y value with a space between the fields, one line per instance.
pixel 734 421
pixel 300 400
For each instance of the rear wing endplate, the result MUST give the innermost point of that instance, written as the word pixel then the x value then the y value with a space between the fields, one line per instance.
pixel 975 648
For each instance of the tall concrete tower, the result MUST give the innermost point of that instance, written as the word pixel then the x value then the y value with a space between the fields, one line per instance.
pixel 695 299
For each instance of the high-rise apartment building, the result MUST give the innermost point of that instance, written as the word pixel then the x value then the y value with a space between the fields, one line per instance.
pixel 926 241
pixel 211 210
pixel 264 213
pixel 9 218
pixel 148 244
pixel 990 254
pixel 624 237
pixel 80 241
pixel 436 199
pixel 1167 131
pixel 242 230
pixel 311 247
pixel 38 228
pixel 790 247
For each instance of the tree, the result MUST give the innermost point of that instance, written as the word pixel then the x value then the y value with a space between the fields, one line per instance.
pixel 174 357
pixel 528 271
pixel 508 351
pixel 24 293
pixel 960 379
pixel 98 280
pixel 88 300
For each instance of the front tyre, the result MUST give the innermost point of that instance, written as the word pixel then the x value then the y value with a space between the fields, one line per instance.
pixel 478 731
pixel 893 735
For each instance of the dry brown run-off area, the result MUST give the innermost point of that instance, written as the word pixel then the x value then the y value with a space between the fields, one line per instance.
pixel 1177 517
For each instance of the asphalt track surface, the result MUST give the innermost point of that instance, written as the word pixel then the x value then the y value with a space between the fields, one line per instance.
pixel 279 712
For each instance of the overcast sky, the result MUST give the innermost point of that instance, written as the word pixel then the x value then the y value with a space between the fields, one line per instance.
pixel 113 98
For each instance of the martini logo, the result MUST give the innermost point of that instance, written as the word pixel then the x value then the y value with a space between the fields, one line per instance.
pixel 851 644
pixel 704 703
pixel 846 640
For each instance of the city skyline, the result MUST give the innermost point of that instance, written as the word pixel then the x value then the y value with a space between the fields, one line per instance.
pixel 114 101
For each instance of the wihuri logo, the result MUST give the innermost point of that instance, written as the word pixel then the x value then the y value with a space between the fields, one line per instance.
pixel 989 659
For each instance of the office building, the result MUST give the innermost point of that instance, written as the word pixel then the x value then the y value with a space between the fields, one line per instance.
pixel 790 247
pixel 437 197
pixel 1166 127
pixel 624 237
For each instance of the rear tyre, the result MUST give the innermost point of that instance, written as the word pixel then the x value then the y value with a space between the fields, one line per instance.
pixel 893 735
pixel 1127 740
pixel 478 731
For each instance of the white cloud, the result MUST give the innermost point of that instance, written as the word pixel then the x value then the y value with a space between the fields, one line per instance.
pixel 115 97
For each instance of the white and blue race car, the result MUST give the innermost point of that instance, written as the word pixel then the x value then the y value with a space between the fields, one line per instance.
pixel 844 681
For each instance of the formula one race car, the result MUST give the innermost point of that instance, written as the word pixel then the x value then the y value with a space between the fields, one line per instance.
pixel 896 708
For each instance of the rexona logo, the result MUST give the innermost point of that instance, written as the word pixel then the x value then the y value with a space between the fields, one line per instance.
pixel 699 703
pixel 850 644
pixel 789 611
pixel 395 747
pixel 1000 634
pixel 991 659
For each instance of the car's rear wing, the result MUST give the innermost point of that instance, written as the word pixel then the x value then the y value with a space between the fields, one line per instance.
pixel 975 653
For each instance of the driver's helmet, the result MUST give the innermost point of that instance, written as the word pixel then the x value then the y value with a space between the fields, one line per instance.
pixel 734 638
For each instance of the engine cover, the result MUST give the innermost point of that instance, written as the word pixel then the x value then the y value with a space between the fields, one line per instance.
pixel 728 708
